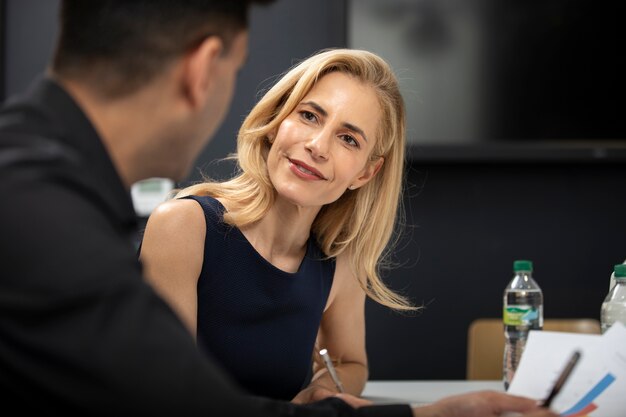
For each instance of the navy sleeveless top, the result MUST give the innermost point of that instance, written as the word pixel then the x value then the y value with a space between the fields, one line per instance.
pixel 258 321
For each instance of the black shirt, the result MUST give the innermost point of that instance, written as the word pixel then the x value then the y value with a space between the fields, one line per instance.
pixel 80 330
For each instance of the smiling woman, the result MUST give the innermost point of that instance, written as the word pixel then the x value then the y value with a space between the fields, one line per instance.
pixel 320 143
pixel 280 258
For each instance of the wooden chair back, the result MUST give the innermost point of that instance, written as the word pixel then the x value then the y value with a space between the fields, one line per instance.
pixel 485 343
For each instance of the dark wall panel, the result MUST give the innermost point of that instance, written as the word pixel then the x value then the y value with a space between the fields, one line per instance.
pixel 30 31
pixel 467 223
pixel 2 47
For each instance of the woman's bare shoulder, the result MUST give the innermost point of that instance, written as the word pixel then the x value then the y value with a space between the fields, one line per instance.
pixel 178 215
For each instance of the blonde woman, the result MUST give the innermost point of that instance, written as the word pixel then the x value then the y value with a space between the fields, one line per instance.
pixel 275 263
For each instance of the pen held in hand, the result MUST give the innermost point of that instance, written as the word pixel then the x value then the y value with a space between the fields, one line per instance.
pixel 567 371
pixel 331 369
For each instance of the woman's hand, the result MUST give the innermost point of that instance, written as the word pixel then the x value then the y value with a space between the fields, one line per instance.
pixel 316 393
pixel 312 393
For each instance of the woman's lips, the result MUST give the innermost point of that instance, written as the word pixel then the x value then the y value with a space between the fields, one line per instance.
pixel 305 171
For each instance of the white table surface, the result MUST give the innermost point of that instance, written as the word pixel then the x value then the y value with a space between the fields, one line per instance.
pixel 423 392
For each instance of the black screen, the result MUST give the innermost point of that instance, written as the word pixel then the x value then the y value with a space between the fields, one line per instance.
pixel 556 70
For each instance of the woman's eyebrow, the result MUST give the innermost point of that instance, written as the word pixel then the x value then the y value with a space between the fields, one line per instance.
pixel 317 107
pixel 324 113
pixel 354 128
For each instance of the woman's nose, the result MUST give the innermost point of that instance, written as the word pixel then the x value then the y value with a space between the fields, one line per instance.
pixel 319 144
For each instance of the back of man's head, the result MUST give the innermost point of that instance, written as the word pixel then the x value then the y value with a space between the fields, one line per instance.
pixel 117 46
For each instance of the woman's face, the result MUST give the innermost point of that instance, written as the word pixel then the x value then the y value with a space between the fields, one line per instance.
pixel 322 148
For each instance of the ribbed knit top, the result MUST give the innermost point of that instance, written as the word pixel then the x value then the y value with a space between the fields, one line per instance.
pixel 258 321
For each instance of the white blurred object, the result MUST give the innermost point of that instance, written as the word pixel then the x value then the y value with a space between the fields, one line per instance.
pixel 149 193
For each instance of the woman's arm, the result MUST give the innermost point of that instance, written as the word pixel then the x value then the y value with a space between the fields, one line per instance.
pixel 342 332
pixel 172 253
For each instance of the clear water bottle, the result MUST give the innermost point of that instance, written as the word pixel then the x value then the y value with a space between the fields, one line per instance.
pixel 522 312
pixel 614 305
pixel 612 281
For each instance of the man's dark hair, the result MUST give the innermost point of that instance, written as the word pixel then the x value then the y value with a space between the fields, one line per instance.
pixel 120 45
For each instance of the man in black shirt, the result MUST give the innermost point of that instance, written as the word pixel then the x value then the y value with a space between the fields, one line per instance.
pixel 134 90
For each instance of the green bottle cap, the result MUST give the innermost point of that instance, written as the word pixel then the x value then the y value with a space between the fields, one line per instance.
pixel 521 265
pixel 620 270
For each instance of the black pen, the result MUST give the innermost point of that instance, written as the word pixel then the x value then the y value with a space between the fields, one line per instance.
pixel 567 371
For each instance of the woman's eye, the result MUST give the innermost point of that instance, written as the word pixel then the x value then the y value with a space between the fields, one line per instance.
pixel 307 115
pixel 350 140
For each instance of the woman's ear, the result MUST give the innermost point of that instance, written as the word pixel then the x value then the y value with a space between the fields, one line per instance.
pixel 271 135
pixel 370 170
pixel 199 71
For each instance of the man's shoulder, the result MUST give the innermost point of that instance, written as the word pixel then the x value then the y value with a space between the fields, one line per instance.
pixel 36 168
pixel 23 149
pixel 28 137
pixel 31 147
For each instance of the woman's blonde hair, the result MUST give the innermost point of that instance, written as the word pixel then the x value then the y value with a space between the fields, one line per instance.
pixel 362 221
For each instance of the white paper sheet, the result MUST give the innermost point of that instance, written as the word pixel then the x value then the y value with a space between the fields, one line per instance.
pixel 596 387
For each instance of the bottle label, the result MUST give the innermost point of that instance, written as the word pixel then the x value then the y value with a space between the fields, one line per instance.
pixel 520 315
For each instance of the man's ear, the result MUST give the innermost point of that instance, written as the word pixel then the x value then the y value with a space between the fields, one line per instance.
pixel 199 70
pixel 370 170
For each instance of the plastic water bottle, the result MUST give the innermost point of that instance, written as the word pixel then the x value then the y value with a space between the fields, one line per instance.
pixel 612 280
pixel 522 312
pixel 614 305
